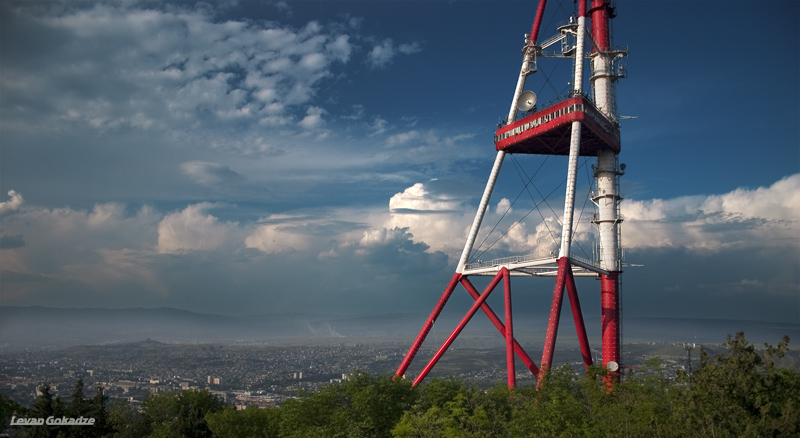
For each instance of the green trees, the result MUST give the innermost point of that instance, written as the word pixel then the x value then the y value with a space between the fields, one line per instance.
pixel 741 393
pixel 46 405
pixel 738 394
pixel 80 406
pixel 362 406
pixel 8 408
pixel 180 414
pixel 249 423
pixel 454 408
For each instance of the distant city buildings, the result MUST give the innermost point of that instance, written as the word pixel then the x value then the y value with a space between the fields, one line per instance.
pixel 246 375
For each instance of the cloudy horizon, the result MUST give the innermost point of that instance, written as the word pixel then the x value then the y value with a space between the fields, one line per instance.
pixel 266 157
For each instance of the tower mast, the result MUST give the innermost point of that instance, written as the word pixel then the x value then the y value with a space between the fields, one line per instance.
pixel 607 197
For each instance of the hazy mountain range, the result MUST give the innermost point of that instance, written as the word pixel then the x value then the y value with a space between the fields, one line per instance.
pixel 37 327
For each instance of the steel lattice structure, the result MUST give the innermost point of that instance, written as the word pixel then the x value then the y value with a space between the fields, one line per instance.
pixel 592 127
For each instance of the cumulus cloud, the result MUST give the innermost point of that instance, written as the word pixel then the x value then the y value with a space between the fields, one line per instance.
pixel 417 199
pixel 106 215
pixel 313 119
pixel 503 207
pixel 391 251
pixel 743 217
pixel 313 232
pixel 421 233
pixel 193 229
pixel 275 238
pixel 64 248
pixel 12 204
pixel 439 221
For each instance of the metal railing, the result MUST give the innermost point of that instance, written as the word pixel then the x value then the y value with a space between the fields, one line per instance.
pixel 524 259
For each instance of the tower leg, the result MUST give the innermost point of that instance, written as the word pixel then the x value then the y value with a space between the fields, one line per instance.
pixel 512 374
pixel 555 316
pixel 423 333
pixel 500 326
pixel 577 316
pixel 481 299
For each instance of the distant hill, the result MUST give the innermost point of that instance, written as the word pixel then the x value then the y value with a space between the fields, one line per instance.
pixel 37 327
pixel 47 327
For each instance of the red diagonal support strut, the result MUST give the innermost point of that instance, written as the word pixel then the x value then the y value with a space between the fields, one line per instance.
pixel 555 315
pixel 500 326
pixel 509 334
pixel 537 21
pixel 577 316
pixel 423 333
pixel 460 326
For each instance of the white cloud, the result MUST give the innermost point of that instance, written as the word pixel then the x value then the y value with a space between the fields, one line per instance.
pixel 107 251
pixel 313 118
pixel 275 238
pixel 408 49
pixel 378 126
pixel 743 217
pixel 503 207
pixel 417 198
pixel 340 48
pixel 193 229
pixel 382 236
pixel 12 204
pixel 176 69
pixel 106 215
pixel 401 138
pixel 440 221
pixel 383 53
pixel 63 247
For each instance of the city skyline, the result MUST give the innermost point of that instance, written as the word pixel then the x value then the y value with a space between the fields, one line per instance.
pixel 257 157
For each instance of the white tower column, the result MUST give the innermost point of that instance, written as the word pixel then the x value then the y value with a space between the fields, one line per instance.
pixel 607 200
pixel 574 149
pixel 524 71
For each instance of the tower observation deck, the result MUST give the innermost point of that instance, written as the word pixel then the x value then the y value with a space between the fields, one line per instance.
pixel 547 132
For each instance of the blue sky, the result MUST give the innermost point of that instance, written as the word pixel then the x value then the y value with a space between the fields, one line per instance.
pixel 327 157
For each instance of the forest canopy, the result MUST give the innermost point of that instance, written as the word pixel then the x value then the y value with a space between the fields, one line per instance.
pixel 741 393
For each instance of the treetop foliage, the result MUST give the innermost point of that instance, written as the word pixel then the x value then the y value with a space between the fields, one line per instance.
pixel 741 393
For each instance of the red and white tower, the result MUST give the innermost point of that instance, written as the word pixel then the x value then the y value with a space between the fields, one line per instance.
pixel 576 126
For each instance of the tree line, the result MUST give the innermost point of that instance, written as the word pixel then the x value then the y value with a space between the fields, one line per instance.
pixel 741 393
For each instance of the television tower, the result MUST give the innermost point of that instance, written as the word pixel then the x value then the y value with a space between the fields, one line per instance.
pixel 576 126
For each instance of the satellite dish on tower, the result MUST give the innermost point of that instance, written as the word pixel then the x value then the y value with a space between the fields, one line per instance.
pixel 612 366
pixel 526 100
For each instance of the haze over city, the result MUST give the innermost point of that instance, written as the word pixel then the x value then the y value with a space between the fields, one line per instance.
pixel 327 157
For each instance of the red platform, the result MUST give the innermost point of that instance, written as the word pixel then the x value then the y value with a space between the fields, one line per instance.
pixel 547 132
